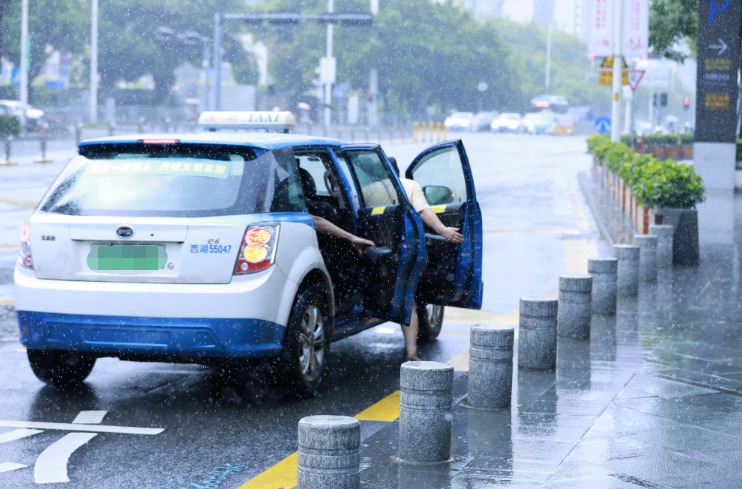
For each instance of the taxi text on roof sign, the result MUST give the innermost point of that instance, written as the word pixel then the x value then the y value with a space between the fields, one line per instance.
pixel 263 120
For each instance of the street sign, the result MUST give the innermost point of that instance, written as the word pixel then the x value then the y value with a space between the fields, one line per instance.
pixel 606 77
pixel 602 125
pixel 634 77
pixel 608 63
pixel 718 62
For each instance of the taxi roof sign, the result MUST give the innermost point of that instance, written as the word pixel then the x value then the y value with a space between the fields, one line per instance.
pixel 253 120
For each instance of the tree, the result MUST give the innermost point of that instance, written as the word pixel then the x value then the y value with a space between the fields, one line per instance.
pixel 670 22
pixel 130 44
pixel 426 53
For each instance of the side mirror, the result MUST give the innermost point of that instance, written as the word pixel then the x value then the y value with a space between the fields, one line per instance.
pixel 437 194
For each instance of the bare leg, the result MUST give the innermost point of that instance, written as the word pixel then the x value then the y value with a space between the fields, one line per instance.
pixel 410 335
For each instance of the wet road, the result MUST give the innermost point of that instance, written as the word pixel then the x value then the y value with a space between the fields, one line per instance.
pixel 211 429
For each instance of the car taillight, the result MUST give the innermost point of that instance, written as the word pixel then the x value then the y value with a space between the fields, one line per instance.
pixel 258 248
pixel 25 258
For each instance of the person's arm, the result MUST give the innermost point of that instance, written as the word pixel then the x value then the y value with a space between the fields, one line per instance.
pixel 326 227
pixel 431 219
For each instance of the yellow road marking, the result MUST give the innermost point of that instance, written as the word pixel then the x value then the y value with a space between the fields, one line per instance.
pixel 385 410
pixel 579 211
pixel 6 302
pixel 280 476
pixel 8 247
pixel 577 252
pixel 519 230
pixel 20 203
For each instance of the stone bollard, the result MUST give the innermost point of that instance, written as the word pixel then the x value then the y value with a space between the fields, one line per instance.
pixel 647 257
pixel 538 334
pixel 664 234
pixel 491 366
pixel 329 452
pixel 627 275
pixel 575 306
pixel 603 271
pixel 425 416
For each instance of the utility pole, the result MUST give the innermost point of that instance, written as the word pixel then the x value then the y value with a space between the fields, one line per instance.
pixel 218 61
pixel 617 70
pixel 547 81
pixel 24 62
pixel 330 65
pixel 94 62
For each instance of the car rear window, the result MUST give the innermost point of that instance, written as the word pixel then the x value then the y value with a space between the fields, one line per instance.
pixel 183 180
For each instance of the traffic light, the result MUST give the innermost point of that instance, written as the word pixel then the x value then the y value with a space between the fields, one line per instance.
pixel 663 100
pixel 370 96
pixel 654 99
pixel 686 103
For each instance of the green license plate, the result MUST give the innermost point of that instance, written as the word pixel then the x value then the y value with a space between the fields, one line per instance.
pixel 127 257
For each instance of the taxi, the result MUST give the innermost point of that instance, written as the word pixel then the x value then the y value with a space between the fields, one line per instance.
pixel 201 248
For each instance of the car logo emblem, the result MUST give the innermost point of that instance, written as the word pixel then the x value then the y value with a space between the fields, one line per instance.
pixel 125 231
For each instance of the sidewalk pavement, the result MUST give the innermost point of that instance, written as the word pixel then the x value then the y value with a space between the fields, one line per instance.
pixel 652 400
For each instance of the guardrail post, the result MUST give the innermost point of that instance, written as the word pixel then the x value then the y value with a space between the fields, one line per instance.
pixel 603 271
pixel 664 234
pixel 627 276
pixel 575 306
pixel 491 366
pixel 538 334
pixel 647 257
pixel 43 158
pixel 329 452
pixel 423 131
pixel 8 162
pixel 415 128
pixel 78 133
pixel 425 416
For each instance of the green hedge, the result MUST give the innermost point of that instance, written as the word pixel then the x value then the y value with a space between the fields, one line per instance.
pixel 10 125
pixel 652 182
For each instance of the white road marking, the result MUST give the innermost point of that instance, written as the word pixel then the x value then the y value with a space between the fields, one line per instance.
pixel 17 435
pixel 124 430
pixel 51 466
pixel 90 417
pixel 8 466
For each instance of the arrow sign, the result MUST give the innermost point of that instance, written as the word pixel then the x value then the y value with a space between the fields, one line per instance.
pixel 722 46
pixel 635 76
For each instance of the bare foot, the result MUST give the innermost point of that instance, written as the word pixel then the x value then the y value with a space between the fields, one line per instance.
pixel 412 357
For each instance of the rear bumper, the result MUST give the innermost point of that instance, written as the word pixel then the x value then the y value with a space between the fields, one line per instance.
pixel 135 335
pixel 245 318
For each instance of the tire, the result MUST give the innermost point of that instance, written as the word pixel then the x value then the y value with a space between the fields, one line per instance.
pixel 430 322
pixel 307 342
pixel 60 368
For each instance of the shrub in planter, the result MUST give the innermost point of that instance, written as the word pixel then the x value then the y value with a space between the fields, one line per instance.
pixel 10 126
pixel 671 188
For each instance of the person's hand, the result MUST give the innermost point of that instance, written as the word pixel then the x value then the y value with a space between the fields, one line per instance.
pixel 452 235
pixel 360 243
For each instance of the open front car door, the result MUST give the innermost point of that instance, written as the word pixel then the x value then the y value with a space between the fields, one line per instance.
pixel 453 276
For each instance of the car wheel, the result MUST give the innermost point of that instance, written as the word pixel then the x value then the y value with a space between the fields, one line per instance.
pixel 430 322
pixel 307 342
pixel 60 368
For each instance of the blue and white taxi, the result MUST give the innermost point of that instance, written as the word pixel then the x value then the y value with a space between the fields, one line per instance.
pixel 201 248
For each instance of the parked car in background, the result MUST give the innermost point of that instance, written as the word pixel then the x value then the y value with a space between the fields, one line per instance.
pixel 482 121
pixel 459 121
pixel 34 116
pixel 507 122
pixel 543 122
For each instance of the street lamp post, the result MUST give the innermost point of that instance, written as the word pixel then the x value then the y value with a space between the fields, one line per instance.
pixel 24 62
pixel 94 62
